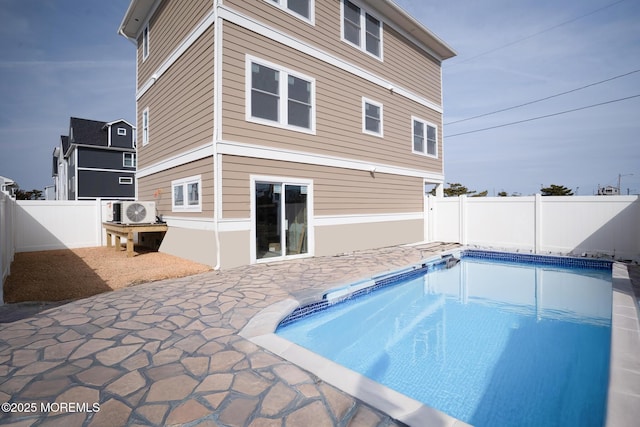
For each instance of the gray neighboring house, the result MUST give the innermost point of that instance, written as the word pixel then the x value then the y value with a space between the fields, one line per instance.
pixel 96 160
pixel 8 186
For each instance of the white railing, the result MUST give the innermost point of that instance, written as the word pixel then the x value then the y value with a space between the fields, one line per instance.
pixel 591 225
pixel 7 237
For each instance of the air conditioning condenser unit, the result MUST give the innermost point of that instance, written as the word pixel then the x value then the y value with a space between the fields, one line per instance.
pixel 135 212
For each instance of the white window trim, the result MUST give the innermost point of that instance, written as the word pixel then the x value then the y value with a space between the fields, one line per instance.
pixel 184 182
pixel 364 11
pixel 146 37
pixel 425 123
pixel 134 161
pixel 284 5
pixel 125 180
pixel 366 101
pixel 145 126
pixel 122 131
pixel 283 93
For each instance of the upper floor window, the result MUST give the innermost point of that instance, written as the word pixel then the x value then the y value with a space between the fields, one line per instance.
pixel 145 42
pixel 361 29
pixel 122 131
pixel 425 138
pixel 186 194
pixel 279 97
pixel 145 126
pixel 129 160
pixel 300 8
pixel 371 117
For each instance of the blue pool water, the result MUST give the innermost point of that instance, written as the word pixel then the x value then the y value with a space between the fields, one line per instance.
pixel 491 343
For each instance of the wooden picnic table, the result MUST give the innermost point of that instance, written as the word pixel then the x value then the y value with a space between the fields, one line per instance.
pixel 127 230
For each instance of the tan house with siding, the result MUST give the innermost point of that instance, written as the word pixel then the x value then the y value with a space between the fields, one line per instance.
pixel 276 129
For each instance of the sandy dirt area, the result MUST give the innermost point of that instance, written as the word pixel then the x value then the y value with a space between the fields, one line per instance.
pixel 78 273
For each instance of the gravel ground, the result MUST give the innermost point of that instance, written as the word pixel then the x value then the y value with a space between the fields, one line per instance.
pixel 71 274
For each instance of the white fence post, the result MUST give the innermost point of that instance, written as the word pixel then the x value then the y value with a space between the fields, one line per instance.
pixel 463 219
pixel 7 238
pixel 433 217
pixel 537 225
pixel 425 217
pixel 98 222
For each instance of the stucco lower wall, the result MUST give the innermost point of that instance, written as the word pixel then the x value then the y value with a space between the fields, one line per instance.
pixel 194 245
pixel 336 239
pixel 235 248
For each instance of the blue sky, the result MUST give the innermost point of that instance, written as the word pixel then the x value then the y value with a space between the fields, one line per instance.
pixel 532 56
pixel 60 59
pixel 63 58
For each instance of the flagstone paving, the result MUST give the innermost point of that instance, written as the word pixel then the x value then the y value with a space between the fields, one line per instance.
pixel 169 353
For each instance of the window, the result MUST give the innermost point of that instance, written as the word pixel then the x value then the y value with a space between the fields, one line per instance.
pixel 425 138
pixel 129 160
pixel 125 180
pixel 178 196
pixel 145 42
pixel 361 29
pixel 186 194
pixel 122 131
pixel 371 117
pixel 300 8
pixel 145 127
pixel 279 97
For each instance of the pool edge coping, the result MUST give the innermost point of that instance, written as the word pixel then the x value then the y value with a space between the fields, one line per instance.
pixel 393 403
pixel 623 393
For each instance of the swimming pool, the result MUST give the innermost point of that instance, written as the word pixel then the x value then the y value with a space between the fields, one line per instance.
pixel 535 352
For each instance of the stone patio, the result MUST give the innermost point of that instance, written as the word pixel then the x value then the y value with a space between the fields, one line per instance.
pixel 169 353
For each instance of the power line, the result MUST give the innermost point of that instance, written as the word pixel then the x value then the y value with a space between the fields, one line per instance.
pixel 542 99
pixel 542 117
pixel 535 34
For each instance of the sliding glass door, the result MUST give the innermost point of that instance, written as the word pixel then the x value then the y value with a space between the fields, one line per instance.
pixel 281 219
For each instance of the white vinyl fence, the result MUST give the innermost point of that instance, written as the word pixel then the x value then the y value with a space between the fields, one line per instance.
pixel 591 225
pixel 43 225
pixel 7 237
pixel 39 225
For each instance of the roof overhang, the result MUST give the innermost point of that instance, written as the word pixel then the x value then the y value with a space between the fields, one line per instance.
pixel 6 181
pixel 414 28
pixel 136 16
pixel 139 11
pixel 117 121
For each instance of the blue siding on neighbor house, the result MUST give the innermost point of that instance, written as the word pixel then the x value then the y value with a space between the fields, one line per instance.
pixel 102 184
pixel 102 159
pixel 100 154
pixel 121 141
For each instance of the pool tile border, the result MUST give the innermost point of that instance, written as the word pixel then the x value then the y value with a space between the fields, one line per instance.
pixel 432 264
pixel 551 260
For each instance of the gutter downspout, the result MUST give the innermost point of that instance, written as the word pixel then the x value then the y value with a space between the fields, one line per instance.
pixel 217 127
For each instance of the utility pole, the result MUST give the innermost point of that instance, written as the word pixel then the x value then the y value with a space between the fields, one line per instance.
pixel 619 179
